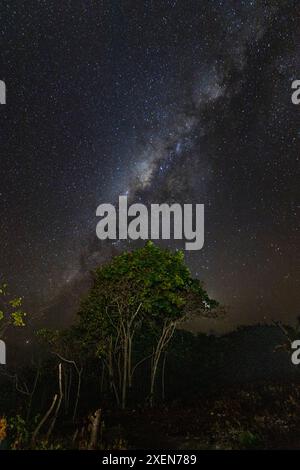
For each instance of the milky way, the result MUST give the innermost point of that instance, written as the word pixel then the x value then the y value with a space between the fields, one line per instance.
pixel 175 101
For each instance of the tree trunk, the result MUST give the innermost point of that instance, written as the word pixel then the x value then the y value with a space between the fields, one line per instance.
pixel 167 333
pixel 95 423
pixel 129 362
pixel 59 402
pixel 163 377
pixel 125 374
pixel 32 393
pixel 43 420
pixel 79 372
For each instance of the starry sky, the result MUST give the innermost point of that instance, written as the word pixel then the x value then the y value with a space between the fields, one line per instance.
pixel 165 101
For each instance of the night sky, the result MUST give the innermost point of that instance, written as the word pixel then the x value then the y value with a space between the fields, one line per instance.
pixel 165 101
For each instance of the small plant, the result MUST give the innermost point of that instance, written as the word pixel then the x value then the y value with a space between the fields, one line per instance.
pixel 248 440
pixel 3 429
pixel 119 444
pixel 46 445
pixel 18 433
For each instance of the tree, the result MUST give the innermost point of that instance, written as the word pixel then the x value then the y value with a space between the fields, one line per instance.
pixel 109 318
pixel 11 312
pixel 150 291
pixel 66 346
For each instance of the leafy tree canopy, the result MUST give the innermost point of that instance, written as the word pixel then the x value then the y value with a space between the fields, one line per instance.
pixel 156 280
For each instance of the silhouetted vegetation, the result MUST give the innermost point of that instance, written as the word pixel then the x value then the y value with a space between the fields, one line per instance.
pixel 127 375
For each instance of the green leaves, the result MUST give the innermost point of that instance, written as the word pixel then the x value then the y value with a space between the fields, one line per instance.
pixel 18 318
pixel 11 313
pixel 156 278
pixel 3 289
pixel 16 303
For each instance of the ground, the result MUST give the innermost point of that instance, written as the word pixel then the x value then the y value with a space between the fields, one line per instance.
pixel 261 416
